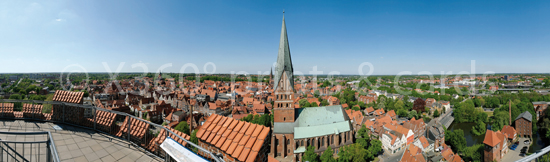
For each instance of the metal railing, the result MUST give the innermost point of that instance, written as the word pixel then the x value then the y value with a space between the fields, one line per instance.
pixel 26 151
pixel 542 155
pixel 84 122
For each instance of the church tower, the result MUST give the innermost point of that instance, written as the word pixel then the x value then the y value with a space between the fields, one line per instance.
pixel 284 82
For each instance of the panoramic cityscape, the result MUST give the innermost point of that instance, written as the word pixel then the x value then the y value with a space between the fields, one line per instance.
pixel 382 81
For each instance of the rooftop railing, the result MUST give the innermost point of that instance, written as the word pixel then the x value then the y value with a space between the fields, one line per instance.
pixel 542 155
pixel 26 151
pixel 135 130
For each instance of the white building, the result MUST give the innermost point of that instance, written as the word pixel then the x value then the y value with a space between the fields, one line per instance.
pixel 423 144
pixel 396 137
pixel 393 143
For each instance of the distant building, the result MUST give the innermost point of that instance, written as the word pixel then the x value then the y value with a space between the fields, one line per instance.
pixel 13 77
pixel 540 107
pixel 523 124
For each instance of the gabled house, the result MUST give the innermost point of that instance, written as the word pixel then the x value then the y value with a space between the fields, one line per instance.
pixel 496 146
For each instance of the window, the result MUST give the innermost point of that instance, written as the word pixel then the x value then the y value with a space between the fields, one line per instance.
pixel 288 141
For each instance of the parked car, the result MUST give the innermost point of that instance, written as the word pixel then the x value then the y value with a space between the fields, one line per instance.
pixel 524 150
pixel 514 147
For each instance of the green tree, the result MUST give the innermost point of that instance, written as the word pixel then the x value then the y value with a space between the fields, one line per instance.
pixel 399 105
pixel 327 156
pixel 479 129
pixel 500 119
pixel 482 117
pixel 324 103
pixel 303 102
pixel 375 146
pixel 310 155
pixel 402 112
pixel 183 127
pixel 86 94
pixel 436 113
pixel 194 140
pixel 456 139
pixel 413 114
pixel 473 153
pixel 363 132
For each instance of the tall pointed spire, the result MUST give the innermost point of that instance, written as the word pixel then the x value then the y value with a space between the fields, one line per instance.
pixel 284 62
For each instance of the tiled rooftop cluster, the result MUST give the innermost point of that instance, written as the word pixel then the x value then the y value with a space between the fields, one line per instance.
pixel 32 111
pixel 77 114
pixel 138 129
pixel 6 109
pixel 238 140
pixel 104 121
pixel 68 96
pixel 155 142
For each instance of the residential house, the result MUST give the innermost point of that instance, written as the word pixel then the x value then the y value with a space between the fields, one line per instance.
pixel 392 114
pixel 417 126
pixel 369 111
pixel 510 132
pixel 423 144
pixel 413 154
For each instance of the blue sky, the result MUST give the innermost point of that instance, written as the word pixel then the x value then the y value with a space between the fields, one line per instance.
pixel 394 36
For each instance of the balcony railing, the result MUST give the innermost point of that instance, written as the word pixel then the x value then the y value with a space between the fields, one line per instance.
pixel 121 125
pixel 9 151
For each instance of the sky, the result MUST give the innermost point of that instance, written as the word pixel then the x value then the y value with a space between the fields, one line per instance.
pixel 337 37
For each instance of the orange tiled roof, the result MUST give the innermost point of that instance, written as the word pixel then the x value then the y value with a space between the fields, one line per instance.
pixel 153 145
pixel 424 141
pixel 509 131
pixel 491 138
pixel 391 113
pixel 369 110
pixel 68 96
pixel 138 128
pixel 447 154
pixel 241 140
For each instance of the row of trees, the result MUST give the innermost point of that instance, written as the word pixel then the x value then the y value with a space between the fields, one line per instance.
pixel 364 149
pixel 264 119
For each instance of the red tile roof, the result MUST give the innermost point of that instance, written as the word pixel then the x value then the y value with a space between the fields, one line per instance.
pixel 138 128
pixel 509 131
pixel 155 143
pixel 391 113
pixel 491 138
pixel 241 140
pixel 68 96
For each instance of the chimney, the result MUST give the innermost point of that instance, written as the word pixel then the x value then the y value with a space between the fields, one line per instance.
pixel 510 111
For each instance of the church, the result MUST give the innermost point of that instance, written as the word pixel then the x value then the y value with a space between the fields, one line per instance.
pixel 294 129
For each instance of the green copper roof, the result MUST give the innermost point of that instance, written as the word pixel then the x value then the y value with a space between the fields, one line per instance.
pixel 284 62
pixel 315 122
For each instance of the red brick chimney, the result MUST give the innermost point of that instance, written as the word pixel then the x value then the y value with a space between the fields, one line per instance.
pixel 510 111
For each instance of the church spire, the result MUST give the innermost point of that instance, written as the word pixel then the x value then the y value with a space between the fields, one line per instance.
pixel 284 62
